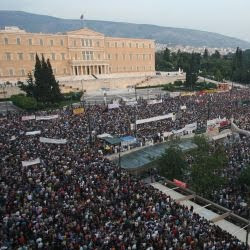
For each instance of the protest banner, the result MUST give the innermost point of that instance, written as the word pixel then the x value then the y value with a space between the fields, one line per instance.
pixel 54 141
pixel 31 162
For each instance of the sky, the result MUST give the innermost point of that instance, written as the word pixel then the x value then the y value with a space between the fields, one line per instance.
pixel 227 17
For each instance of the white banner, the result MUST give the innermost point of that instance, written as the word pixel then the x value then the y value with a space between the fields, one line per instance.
pixel 28 117
pixel 133 103
pixel 13 138
pixel 180 131
pixel 46 117
pixel 113 106
pixel 31 162
pixel 174 94
pixel 184 107
pixel 191 126
pixel 151 102
pixel 38 132
pixel 54 141
pixel 167 134
pixel 156 118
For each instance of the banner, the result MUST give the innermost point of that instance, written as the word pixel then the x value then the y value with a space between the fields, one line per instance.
pixel 46 117
pixel 113 106
pixel 132 103
pixel 167 134
pixel 28 117
pixel 151 102
pixel 184 107
pixel 191 126
pixel 54 141
pixel 180 183
pixel 156 118
pixel 78 111
pixel 174 94
pixel 31 162
pixel 38 132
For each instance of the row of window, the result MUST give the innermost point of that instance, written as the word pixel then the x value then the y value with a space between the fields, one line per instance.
pixel 86 55
pixel 83 43
pixel 130 56
pixel 23 72
pixel 129 45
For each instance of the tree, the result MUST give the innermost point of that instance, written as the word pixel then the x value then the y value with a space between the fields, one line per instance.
pixel 205 54
pixel 44 87
pixel 193 70
pixel 207 165
pixel 172 163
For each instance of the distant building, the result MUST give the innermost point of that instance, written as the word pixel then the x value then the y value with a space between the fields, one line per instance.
pixel 80 52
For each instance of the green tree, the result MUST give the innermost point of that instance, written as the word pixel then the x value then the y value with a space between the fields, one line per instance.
pixel 44 87
pixel 207 164
pixel 172 163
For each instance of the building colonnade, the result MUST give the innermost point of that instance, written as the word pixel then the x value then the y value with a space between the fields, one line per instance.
pixel 90 69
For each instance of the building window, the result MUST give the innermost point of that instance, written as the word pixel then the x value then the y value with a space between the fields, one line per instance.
pixel 11 72
pixel 99 56
pixel 41 42
pixel 53 56
pixel 8 56
pixel 63 56
pixel 107 44
pixel 137 56
pixel 97 44
pixel 74 43
pixel 150 57
pixel 124 57
pixel 130 57
pixel 20 56
pixel 116 56
pixel 137 68
pixel 30 41
pixel 123 45
pixel 32 56
pixel 149 45
pixel 116 44
pixel 109 57
pixel 137 45
pixel 51 42
pixel 124 68
pixel 54 71
pixel 65 71
pixel 6 41
pixel 75 56
pixel 22 72
pixel 88 55
pixel 144 57
pixel 18 41
pixel 90 43
pixel 130 45
pixel 143 46
pixel 62 42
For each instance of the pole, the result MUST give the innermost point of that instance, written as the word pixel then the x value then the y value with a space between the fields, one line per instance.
pixel 208 110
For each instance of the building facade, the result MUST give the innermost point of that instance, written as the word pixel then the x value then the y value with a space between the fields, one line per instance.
pixel 80 52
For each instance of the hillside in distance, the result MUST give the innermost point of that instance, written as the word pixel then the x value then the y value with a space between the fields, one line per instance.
pixel 164 35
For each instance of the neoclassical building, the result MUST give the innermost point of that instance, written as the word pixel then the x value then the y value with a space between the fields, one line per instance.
pixel 79 52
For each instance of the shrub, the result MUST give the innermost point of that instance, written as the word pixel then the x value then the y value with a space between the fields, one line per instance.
pixel 24 102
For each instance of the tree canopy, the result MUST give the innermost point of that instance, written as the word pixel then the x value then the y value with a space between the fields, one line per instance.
pixel 43 86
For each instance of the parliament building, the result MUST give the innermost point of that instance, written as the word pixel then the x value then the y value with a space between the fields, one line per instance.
pixel 79 52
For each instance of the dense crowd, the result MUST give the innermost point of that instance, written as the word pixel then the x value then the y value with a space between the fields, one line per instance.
pixel 77 199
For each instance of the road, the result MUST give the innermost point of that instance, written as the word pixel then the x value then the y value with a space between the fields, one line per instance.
pixel 8 106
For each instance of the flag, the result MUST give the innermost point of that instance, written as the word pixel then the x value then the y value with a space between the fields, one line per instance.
pixel 82 17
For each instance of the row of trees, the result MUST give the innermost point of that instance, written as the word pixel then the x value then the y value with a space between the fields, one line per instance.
pixel 234 67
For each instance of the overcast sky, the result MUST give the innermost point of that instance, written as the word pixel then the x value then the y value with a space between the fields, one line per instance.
pixel 228 17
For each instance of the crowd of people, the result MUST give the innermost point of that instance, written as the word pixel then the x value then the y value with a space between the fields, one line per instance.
pixel 77 199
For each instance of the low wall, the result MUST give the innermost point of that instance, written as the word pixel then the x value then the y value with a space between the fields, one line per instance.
pixel 238 130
